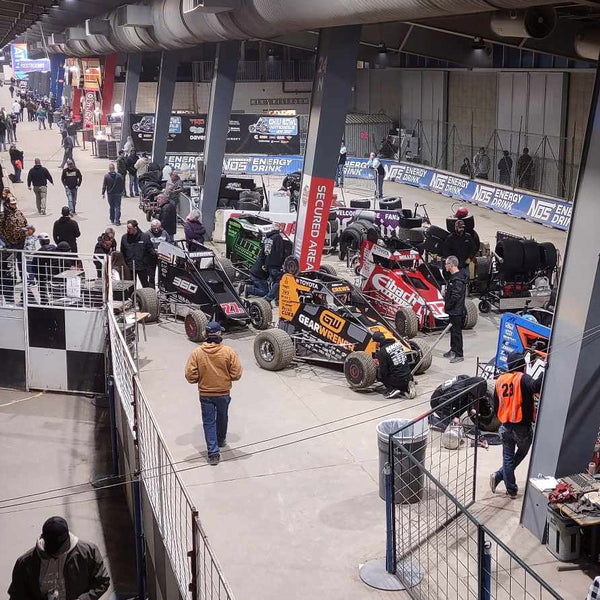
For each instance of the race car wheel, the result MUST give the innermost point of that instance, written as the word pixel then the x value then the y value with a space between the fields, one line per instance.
pixel 472 314
pixel 360 370
pixel 531 255
pixel 261 313
pixel 328 269
pixel 360 203
pixel 424 353
pixel 482 267
pixel 486 417
pixel 406 322
pixel 485 307
pixel 229 269
pixel 195 323
pixel 147 301
pixel 273 349
pixel 291 265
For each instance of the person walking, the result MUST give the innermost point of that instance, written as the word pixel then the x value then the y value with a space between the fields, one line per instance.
pixel 481 164
pixel 38 177
pixel 50 111
pixel 167 215
pixel 16 109
pixel 525 169
pixel 71 179
pixel 339 174
pixel 505 165
pixel 12 224
pixel 131 161
pixel 122 168
pixel 11 89
pixel 16 159
pixel 67 144
pixel 137 251
pixel 41 116
pixel 194 230
pixel 454 306
pixel 3 142
pixel 515 406
pixel 214 366
pixel 393 369
pixel 60 566
pixel 376 165
pixel 66 229
pixel 113 185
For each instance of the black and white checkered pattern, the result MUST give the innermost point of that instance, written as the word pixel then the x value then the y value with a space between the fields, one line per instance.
pixel 594 591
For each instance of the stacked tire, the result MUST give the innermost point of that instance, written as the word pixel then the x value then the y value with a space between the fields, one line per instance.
pixel 352 236
pixel 524 257
pixel 434 239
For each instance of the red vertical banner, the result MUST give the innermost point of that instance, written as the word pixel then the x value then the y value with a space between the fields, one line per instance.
pixel 89 107
pixel 311 227
pixel 76 104
pixel 110 65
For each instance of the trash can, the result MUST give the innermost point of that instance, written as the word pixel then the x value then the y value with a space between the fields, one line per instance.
pixel 408 478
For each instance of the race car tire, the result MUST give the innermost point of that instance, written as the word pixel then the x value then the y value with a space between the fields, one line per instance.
pixel 511 253
pixel 360 203
pixel 472 314
pixel 252 206
pixel 482 267
pixel 273 349
pixel 373 234
pixel 416 235
pixel 360 370
pixel 486 418
pixel 406 322
pixel 469 222
pixel 325 268
pixel 148 215
pixel 148 302
pixel 531 256
pixel 195 323
pixel 485 306
pixel 291 265
pixel 390 204
pixel 229 269
pixel 261 313
pixel 434 231
pixel 349 239
pixel 424 351
pixel 548 255
pixel 410 223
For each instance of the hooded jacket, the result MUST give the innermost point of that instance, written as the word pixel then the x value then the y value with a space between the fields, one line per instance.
pixel 138 248
pixel 456 292
pixel 168 218
pixel 213 367
pixel 38 176
pixel 194 231
pixel 85 576
pixel 71 177
pixel 394 370
pixel 462 246
pixel 66 230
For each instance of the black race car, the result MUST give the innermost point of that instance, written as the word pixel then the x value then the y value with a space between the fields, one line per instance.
pixel 195 286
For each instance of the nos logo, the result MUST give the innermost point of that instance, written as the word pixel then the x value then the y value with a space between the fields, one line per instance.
pixel 185 285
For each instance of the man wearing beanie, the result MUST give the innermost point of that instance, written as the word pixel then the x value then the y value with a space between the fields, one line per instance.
pixel 214 366
pixel 59 567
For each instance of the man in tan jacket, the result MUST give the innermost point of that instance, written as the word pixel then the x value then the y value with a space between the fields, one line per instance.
pixel 214 366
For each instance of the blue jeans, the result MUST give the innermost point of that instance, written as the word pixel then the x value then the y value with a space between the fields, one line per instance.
pixel 339 176
pixel 379 184
pixel 275 275
pixel 133 185
pixel 258 287
pixel 513 435
pixel 72 199
pixel 114 204
pixel 214 420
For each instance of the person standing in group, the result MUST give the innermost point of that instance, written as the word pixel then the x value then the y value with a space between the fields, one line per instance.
pixel 3 142
pixel 71 178
pixel 16 109
pixel 11 128
pixel 12 231
pixel 66 229
pixel 38 177
pixel 481 164
pixel 515 406
pixel 131 161
pixel 525 169
pixel 377 166
pixel 67 144
pixel 339 174
pixel 122 168
pixel 214 366
pixel 141 165
pixel 174 187
pixel 41 115
pixel 113 185
pixel 104 247
pixel 42 267
pixel 50 112
pixel 129 145
pixel 167 215
pixel 454 307
pixel 137 251
pixel 274 251
pixel 194 230
pixel 460 244
pixel 157 235
pixel 60 566
pixel 16 159
pixel 166 172
pixel 465 168
pixel 505 165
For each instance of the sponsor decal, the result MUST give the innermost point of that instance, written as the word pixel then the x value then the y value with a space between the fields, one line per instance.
pixel 323 330
pixel 388 288
pixel 331 321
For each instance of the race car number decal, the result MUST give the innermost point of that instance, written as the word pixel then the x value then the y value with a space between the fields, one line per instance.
pixel 232 308
pixel 185 285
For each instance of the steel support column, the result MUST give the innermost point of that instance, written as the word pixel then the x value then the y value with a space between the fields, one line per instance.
pixel 167 79
pixel 331 94
pixel 221 98
pixel 132 81
pixel 569 414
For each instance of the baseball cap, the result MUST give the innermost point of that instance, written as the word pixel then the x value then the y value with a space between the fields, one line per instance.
pixel 28 226
pixel 213 327
pixel 43 237
pixel 378 337
pixel 55 533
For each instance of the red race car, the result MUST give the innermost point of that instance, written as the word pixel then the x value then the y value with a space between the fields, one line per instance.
pixel 403 287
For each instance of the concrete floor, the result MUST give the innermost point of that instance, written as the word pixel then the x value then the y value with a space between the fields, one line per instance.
pixel 294 504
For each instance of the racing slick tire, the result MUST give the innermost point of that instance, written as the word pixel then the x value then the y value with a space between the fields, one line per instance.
pixel 261 313
pixel 406 322
pixel 485 306
pixel 531 256
pixel 273 349
pixel 548 255
pixel 486 417
pixel 483 265
pixel 148 302
pixel 511 253
pixel 360 203
pixel 472 314
pixel 360 370
pixel 195 323
pixel 291 265
pixel 349 240
pixel 229 269
pixel 424 351
pixel 390 204
pixel 324 268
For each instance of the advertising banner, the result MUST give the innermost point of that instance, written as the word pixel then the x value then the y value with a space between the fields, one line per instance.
pixel 41 65
pixel 287 221
pixel 92 75
pixel 22 65
pixel 89 107
pixel 248 134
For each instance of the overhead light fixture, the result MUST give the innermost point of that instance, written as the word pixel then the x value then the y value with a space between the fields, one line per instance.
pixel 478 43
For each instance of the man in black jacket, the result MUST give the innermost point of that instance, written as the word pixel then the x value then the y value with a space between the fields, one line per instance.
pixel 113 185
pixel 274 251
pixel 393 369
pixel 43 267
pixel 454 305
pixel 137 248
pixel 39 177
pixel 67 144
pixel 130 161
pixel 71 178
pixel 60 565
pixel 460 244
pixel 167 215
pixel 66 230
pixel 122 167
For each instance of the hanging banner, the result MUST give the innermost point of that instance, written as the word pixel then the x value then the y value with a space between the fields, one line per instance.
pixel 22 65
pixel 89 108
pixel 92 75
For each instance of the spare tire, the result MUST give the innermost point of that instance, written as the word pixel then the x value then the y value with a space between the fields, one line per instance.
pixel 482 267
pixel 407 213
pixel 367 216
pixel 410 223
pixel 360 203
pixel 511 253
pixel 242 205
pixel 390 204
pixel 548 255
pixel 531 255
pixel 436 232
pixel 350 238
pixel 416 235
pixel 468 221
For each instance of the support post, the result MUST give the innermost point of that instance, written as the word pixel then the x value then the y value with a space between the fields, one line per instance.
pixel 113 426
pixel 138 523
pixel 221 99
pixel 331 94
pixel 108 85
pixel 569 410
pixel 57 78
pixel 167 79
pixel 132 81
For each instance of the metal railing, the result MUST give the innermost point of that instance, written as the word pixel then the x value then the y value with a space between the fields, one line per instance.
pixel 438 549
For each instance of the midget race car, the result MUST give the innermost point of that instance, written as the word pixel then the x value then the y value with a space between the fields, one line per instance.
pixel 261 126
pixel 403 287
pixel 326 320
pixel 195 286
